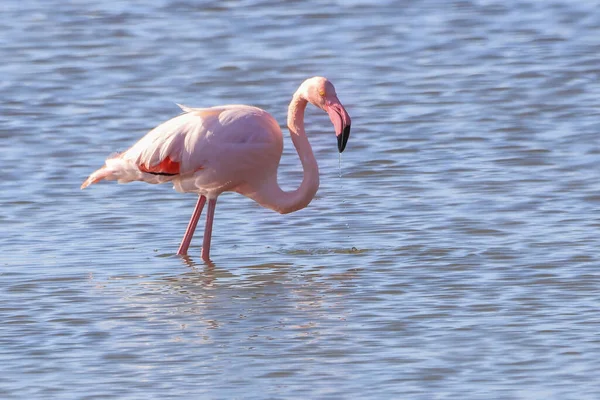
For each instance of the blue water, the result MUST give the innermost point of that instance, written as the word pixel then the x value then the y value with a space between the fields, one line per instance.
pixel 455 258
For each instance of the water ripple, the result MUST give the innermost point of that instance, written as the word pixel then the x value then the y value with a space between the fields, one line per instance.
pixel 455 257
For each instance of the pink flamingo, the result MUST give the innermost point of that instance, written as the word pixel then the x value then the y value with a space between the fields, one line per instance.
pixel 229 148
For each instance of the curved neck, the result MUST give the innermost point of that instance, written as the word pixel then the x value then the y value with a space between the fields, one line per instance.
pixel 271 195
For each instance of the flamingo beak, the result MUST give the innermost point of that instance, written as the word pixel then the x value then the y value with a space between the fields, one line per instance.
pixel 341 122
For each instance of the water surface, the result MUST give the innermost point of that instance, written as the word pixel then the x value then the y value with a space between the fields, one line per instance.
pixel 456 257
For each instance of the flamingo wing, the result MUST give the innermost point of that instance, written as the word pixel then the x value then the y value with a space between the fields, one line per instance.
pixel 163 153
pixel 166 150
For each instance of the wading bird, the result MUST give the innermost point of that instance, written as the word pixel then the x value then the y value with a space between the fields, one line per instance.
pixel 233 148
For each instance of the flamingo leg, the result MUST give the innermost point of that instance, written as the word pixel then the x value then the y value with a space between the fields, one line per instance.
pixel 208 229
pixel 189 232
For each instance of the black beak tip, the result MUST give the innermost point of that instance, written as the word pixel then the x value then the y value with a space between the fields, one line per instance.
pixel 343 138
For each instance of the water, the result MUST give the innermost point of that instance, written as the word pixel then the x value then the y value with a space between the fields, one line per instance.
pixel 457 257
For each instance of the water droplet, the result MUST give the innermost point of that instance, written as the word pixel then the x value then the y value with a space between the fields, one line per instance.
pixel 342 186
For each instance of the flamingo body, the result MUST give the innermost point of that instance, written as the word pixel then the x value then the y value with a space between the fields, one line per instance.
pixel 189 150
pixel 227 148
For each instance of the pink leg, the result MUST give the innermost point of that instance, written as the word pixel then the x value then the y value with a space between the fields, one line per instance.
pixel 189 232
pixel 208 229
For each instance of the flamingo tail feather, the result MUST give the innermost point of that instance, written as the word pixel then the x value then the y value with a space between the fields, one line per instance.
pixel 96 177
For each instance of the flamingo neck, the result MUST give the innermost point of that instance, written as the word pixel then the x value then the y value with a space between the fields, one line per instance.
pixel 271 195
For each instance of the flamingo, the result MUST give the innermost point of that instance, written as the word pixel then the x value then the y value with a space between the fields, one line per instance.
pixel 234 148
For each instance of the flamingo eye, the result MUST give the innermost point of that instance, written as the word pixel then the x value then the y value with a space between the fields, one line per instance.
pixel 322 92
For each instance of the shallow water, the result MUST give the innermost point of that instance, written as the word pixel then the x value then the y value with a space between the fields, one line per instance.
pixel 455 257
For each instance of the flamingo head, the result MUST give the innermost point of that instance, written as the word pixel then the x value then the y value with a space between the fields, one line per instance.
pixel 321 93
